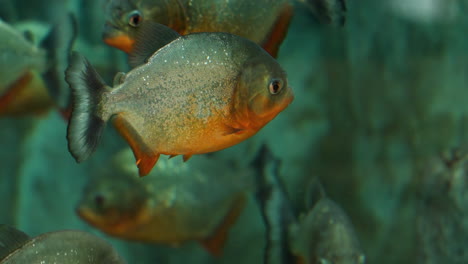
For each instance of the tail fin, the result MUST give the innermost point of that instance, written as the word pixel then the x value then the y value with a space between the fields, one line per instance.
pixel 58 44
pixel 85 125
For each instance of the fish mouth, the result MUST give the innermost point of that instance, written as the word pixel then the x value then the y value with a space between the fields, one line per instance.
pixel 115 37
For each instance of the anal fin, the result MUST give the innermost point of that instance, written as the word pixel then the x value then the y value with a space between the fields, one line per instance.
pixel 215 243
pixel 145 157
pixel 186 157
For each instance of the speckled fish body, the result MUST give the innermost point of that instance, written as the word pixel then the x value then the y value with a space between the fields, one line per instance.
pixel 64 247
pixel 183 100
pixel 200 93
pixel 262 21
pixel 176 203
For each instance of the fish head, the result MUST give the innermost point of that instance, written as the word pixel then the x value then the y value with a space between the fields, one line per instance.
pixel 124 18
pixel 262 90
pixel 113 202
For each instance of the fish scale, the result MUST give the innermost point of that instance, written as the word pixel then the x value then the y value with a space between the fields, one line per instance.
pixel 219 97
pixel 173 91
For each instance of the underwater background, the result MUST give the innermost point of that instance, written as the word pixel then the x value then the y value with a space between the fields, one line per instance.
pixel 379 116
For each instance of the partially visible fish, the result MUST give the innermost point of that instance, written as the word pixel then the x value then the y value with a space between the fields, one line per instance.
pixel 28 71
pixel 64 247
pixel 322 234
pixel 176 203
pixel 196 94
pixel 325 235
pixel 263 21
pixel 327 11
pixel 19 64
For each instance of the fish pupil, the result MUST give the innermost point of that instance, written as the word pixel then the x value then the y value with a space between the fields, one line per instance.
pixel 134 18
pixel 275 86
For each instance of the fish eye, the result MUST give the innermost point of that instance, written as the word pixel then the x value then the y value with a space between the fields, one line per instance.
pixel 134 18
pixel 99 200
pixel 275 86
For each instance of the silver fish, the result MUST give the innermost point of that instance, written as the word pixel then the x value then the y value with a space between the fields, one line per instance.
pixel 64 247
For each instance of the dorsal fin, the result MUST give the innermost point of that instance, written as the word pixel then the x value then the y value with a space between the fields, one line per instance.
pixel 278 32
pixel 10 240
pixel 150 37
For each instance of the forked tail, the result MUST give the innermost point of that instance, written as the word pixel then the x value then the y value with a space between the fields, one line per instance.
pixel 85 126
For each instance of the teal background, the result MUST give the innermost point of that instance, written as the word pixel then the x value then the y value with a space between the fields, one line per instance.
pixel 380 106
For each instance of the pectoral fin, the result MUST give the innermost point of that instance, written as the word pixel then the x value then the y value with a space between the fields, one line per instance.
pixel 145 157
pixel 215 243
pixel 229 130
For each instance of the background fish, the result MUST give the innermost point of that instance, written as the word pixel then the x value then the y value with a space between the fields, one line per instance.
pixel 322 233
pixel 325 235
pixel 200 93
pixel 29 73
pixel 262 21
pixel 20 85
pixel 176 203
pixel 64 247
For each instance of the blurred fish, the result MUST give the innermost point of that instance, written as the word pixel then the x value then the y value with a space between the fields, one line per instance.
pixel 21 87
pixel 322 235
pixel 177 202
pixel 263 21
pixel 325 235
pixel 200 93
pixel 327 11
pixel 59 58
pixel 27 71
pixel 64 247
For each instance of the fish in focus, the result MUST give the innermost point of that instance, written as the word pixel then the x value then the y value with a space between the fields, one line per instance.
pixel 320 234
pixel 327 11
pixel 176 203
pixel 198 93
pixel 64 247
pixel 28 71
pixel 250 19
